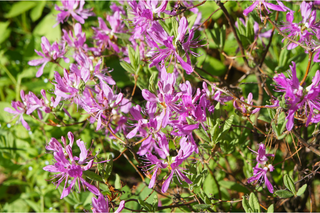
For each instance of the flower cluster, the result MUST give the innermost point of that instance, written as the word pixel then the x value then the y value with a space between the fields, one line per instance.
pixel 302 103
pixel 305 29
pixel 72 168
pixel 260 174
pixel 171 110
pixel 175 107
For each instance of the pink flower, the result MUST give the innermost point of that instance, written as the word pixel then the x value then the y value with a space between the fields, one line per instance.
pixel 69 7
pixel 73 169
pixel 101 205
pixel 266 5
pixel 49 53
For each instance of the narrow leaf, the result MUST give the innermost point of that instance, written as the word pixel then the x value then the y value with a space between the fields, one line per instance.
pixel 254 203
pixel 284 193
pixel 301 190
pixel 288 182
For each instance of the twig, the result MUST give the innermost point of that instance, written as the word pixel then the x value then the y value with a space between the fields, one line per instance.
pixel 120 155
pixel 184 10
pixel 132 164
pixel 285 36
pixel 308 68
pixel 314 150
pixel 230 20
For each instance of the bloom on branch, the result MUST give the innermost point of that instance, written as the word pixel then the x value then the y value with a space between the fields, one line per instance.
pixel 260 174
pixel 262 3
pixel 304 29
pixel 101 205
pixel 49 53
pixel 69 7
pixel 73 169
pixel 303 103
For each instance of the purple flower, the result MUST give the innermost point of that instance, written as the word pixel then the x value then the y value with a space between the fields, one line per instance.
pixel 186 149
pixel 106 38
pixel 244 108
pixel 304 102
pixel 76 39
pixel 30 103
pixel 69 7
pixel 49 53
pixel 316 57
pixel 304 29
pixel 101 205
pixel 19 110
pixel 267 6
pixel 260 174
pixel 262 157
pixel 54 145
pixel 73 169
pixel 172 50
pixel 143 15
pixel 155 166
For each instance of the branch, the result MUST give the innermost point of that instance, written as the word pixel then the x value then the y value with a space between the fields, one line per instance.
pixel 230 20
pixel 308 68
pixel 314 150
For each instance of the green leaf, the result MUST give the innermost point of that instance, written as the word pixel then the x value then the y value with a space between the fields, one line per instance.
pixel 92 176
pixel 271 113
pixel 283 58
pixel 45 28
pixel 302 189
pixel 145 205
pixel 228 123
pixel 152 82
pixel 155 202
pixel 284 193
pixel 250 30
pixel 131 53
pixel 127 67
pixel 202 134
pixel 117 182
pixel 254 203
pixel 270 209
pixel 20 7
pixel 4 31
pixel 245 205
pixel 108 169
pixel 36 12
pixel 202 206
pixel 214 66
pixel 288 182
pixel 33 205
pixel 234 186
pixel 222 36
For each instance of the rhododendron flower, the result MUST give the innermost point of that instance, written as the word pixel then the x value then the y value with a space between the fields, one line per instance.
pixel 262 157
pixel 244 108
pixel 143 15
pixel 266 5
pixel 50 53
pixel 69 7
pixel 30 103
pixel 304 29
pixel 171 49
pixel 305 103
pixel 101 205
pixel 260 174
pixel 105 37
pixel 73 169
pixel 19 110
pixel 76 39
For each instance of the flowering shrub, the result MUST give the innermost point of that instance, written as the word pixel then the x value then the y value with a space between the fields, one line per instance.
pixel 168 102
